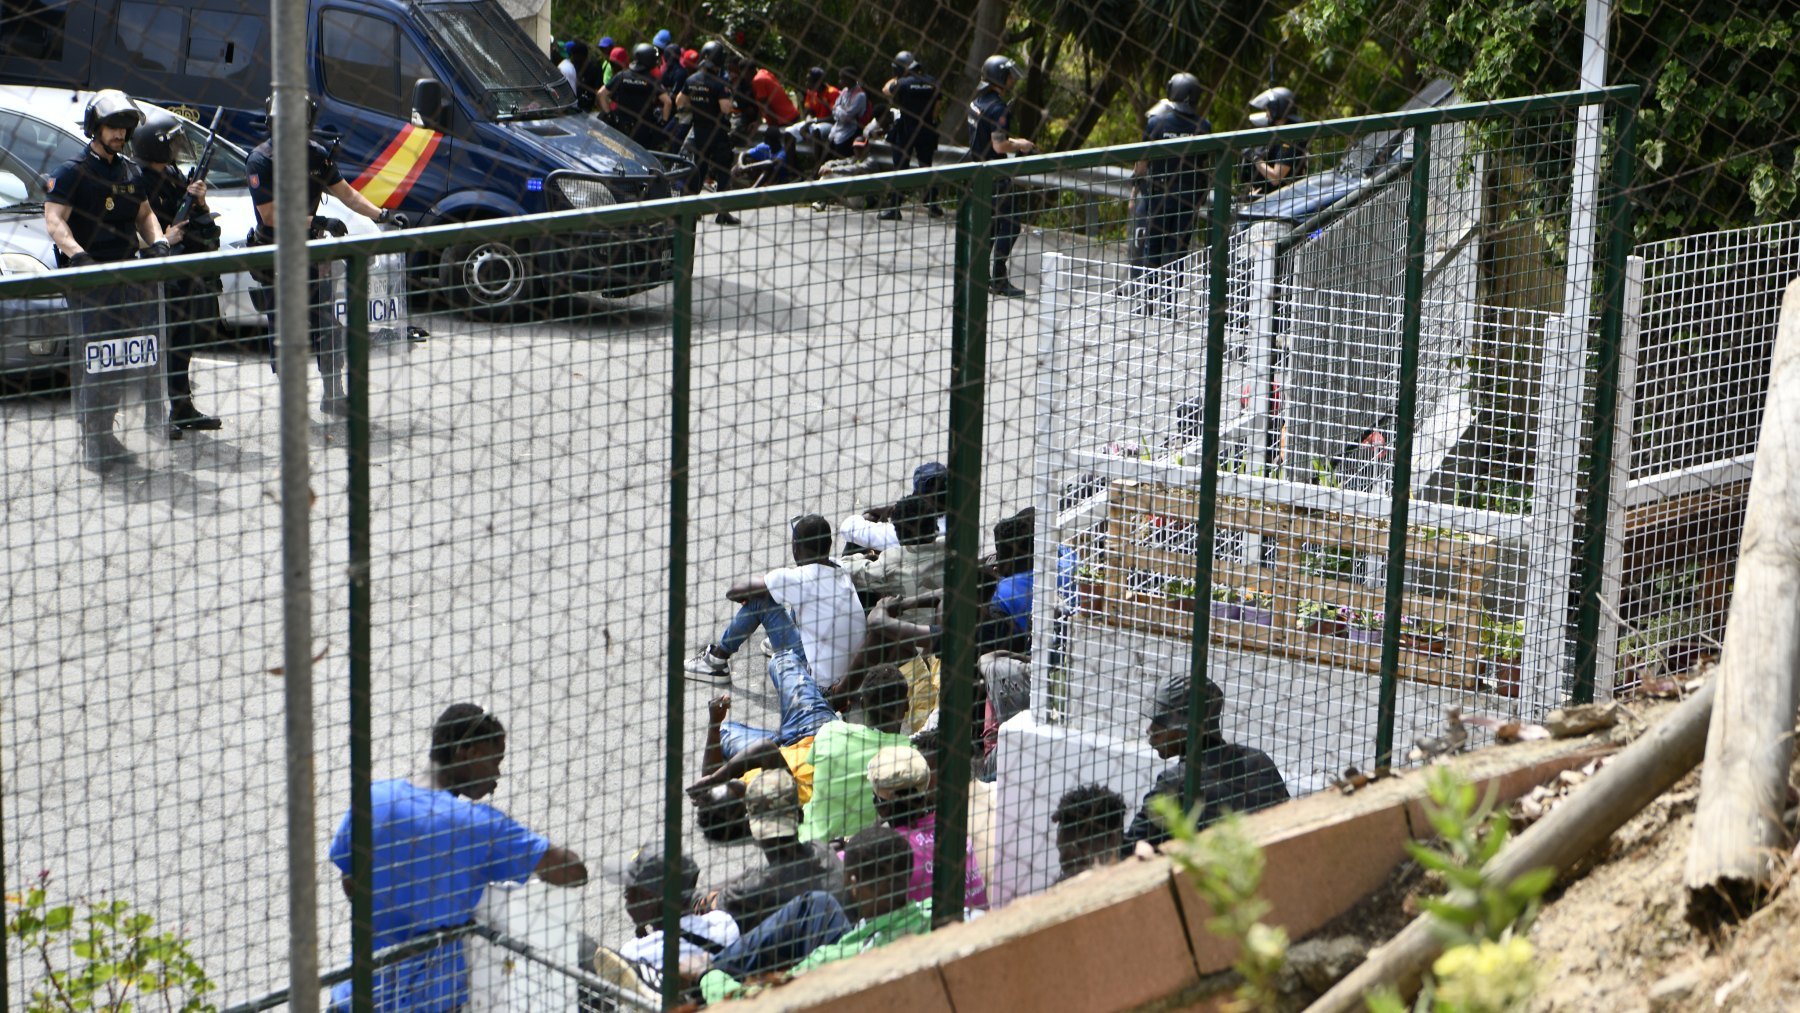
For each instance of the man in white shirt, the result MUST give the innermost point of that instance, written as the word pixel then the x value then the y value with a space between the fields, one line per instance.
pixel 809 608
pixel 912 568
pixel 702 935
pixel 874 528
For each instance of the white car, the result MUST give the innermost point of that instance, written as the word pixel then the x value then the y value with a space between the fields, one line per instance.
pixel 40 128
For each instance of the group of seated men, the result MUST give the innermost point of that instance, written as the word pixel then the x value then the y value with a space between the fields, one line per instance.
pixel 839 798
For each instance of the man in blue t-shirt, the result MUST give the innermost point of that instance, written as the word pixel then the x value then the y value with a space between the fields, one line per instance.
pixel 436 849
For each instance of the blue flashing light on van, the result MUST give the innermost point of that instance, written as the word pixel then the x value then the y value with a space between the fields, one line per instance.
pixel 442 109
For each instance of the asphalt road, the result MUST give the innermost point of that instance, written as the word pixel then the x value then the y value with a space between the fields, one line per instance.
pixel 521 554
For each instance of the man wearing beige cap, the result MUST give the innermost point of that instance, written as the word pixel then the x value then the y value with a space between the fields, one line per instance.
pixel 900 781
pixel 772 808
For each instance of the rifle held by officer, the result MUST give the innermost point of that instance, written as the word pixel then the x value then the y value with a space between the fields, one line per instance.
pixel 198 172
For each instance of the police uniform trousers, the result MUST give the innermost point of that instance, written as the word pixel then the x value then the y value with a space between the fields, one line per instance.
pixel 323 334
pixel 918 148
pixel 1162 225
pixel 1007 212
pixel 192 313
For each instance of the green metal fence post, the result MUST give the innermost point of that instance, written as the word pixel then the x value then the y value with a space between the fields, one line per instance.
pixel 681 335
pixel 1605 357
pixel 362 830
pixel 1217 293
pixel 968 379
pixel 1418 205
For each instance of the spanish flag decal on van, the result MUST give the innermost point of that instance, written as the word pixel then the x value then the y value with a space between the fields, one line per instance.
pixel 386 181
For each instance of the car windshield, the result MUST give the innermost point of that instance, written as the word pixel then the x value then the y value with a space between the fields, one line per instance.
pixel 516 80
pixel 20 187
pixel 227 169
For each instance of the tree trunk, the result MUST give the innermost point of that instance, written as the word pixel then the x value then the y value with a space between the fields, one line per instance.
pixel 1041 56
pixel 1738 838
pixel 1102 99
pixel 984 41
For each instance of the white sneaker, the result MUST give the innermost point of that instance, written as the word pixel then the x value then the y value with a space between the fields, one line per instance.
pixel 768 648
pixel 708 667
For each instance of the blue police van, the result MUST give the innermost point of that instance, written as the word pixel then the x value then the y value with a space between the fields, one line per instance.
pixel 442 109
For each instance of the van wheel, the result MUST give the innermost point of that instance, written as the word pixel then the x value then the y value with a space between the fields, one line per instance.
pixel 487 278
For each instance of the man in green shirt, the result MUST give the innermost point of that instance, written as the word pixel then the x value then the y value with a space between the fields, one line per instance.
pixel 813 929
pixel 841 803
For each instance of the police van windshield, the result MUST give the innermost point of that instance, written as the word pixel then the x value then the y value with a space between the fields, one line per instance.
pixel 516 81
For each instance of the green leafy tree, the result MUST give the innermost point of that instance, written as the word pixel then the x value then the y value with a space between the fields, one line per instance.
pixel 1721 110
pixel 102 955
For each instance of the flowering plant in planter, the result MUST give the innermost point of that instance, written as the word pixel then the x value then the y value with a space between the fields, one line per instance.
pixel 1256 606
pixel 1319 617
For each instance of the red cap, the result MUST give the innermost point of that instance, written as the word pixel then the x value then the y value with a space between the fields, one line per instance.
pixel 690 59
pixel 618 56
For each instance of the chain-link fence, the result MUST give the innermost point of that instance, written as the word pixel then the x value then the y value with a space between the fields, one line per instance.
pixel 833 500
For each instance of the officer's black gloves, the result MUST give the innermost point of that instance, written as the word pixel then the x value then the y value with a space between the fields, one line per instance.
pixel 329 226
pixel 82 259
pixel 160 248
pixel 389 216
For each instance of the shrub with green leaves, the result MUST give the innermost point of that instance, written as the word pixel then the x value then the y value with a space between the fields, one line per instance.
pixel 102 955
pixel 1226 868
pixel 1487 966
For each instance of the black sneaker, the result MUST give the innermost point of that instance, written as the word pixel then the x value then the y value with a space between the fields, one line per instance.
pixel 890 215
pixel 727 218
pixel 1003 287
pixel 934 210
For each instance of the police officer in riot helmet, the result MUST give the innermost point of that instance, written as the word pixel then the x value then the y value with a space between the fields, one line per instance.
pixel 989 139
pixel 914 137
pixel 1274 165
pixel 191 305
pixel 96 211
pixel 635 102
pixel 708 97
pixel 1168 190
pixel 322 177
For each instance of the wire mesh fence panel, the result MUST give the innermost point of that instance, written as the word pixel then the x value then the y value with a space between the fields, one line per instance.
pixel 144 719
pixel 1706 329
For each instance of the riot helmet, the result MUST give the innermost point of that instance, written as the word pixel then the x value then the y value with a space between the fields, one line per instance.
pixel 999 71
pixel 712 55
pixel 312 113
pixel 644 58
pixel 905 62
pixel 158 138
pixel 110 107
pixel 1272 107
pixel 1184 93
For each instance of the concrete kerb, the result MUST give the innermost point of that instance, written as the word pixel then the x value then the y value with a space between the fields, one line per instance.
pixel 1135 933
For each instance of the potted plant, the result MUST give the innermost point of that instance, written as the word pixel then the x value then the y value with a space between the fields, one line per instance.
pixel 1180 592
pixel 1090 592
pixel 1501 643
pixel 1361 626
pixel 1223 605
pixel 1319 617
pixel 1256 606
pixel 1423 635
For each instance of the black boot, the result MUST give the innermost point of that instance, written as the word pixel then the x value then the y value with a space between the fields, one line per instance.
pixel 333 401
pixel 1002 287
pixel 183 415
pixel 726 218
